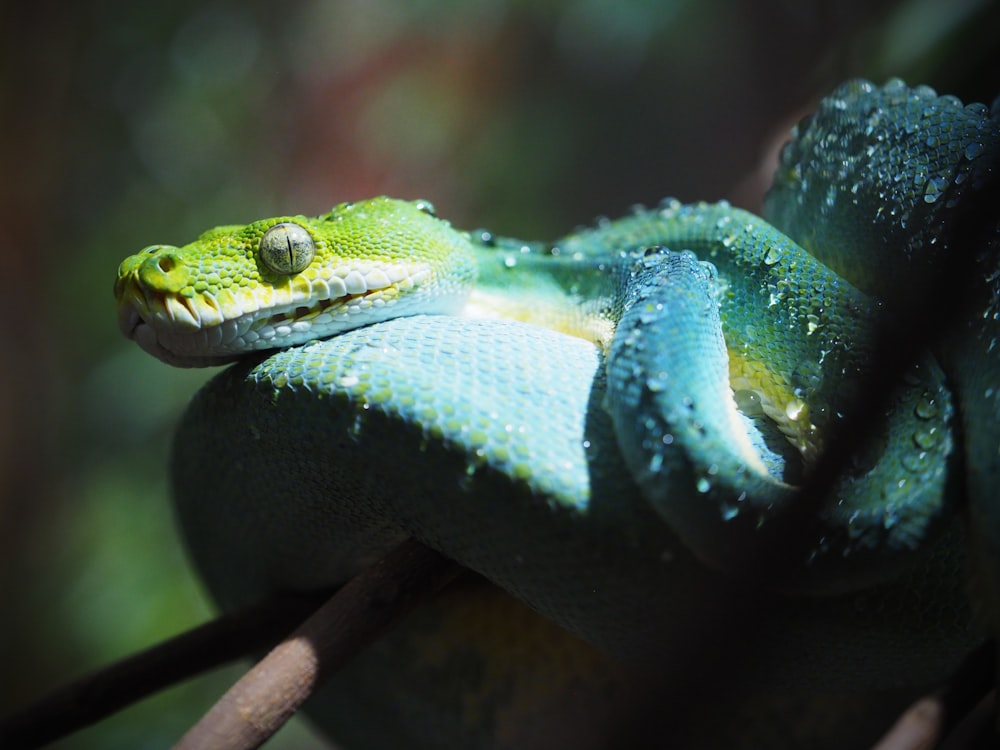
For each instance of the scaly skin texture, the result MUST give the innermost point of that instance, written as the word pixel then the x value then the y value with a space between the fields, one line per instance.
pixel 216 299
pixel 609 432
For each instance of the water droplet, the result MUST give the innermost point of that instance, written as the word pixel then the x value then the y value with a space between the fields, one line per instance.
pixel 748 401
pixel 669 205
pixel 658 382
pixel 510 261
pixel 916 461
pixel 703 485
pixel 935 189
pixel 794 408
pixel 926 407
pixel 729 512
pixel 772 256
pixel 426 206
pixel 926 439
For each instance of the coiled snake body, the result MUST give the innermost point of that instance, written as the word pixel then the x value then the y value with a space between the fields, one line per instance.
pixel 610 427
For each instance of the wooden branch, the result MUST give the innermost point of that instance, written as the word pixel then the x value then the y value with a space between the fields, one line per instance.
pixel 366 607
pixel 235 635
pixel 959 715
pixel 369 605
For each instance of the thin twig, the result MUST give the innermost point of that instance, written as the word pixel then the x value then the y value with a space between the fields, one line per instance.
pixel 366 607
pixel 230 637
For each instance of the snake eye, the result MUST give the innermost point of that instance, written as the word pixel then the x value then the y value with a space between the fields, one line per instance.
pixel 287 248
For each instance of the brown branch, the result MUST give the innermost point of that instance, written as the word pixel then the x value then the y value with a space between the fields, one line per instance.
pixel 957 716
pixel 367 606
pixel 370 604
pixel 232 636
pixel 920 727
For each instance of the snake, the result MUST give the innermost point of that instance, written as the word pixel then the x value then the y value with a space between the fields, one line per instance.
pixel 606 430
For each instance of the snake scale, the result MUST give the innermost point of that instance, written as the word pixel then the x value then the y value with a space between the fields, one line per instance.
pixel 607 428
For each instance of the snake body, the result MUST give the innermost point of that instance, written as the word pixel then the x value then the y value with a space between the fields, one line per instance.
pixel 609 427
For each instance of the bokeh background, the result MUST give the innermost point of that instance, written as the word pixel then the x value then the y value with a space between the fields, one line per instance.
pixel 124 124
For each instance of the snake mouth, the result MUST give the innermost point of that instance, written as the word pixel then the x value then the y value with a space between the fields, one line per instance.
pixel 212 328
pixel 188 327
pixel 192 332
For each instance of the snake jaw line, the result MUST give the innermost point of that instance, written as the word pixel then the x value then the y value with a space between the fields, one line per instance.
pixel 203 329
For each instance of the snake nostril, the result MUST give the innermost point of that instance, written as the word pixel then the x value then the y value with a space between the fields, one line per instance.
pixel 163 270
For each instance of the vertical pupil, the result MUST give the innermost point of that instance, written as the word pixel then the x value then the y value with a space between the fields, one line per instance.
pixel 286 248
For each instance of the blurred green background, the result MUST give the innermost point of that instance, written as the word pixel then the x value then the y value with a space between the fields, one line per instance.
pixel 126 124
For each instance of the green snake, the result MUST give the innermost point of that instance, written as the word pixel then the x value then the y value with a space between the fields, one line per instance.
pixel 605 427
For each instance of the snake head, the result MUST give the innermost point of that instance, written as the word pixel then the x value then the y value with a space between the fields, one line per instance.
pixel 287 280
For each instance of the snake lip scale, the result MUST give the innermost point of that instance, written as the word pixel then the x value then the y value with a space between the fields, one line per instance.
pixel 173 328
